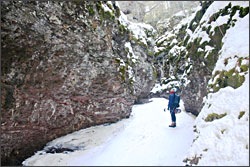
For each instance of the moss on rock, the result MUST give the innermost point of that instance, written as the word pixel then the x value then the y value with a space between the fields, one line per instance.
pixel 104 14
pixel 241 114
pixel 213 116
pixel 227 78
pixel 244 68
pixel 122 29
pixel 208 29
pixel 90 10
pixel 211 59
pixel 244 11
pixel 223 131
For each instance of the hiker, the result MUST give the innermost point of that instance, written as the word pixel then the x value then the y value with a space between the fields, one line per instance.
pixel 173 104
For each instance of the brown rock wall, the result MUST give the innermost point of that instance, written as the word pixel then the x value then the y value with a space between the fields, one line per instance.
pixel 60 74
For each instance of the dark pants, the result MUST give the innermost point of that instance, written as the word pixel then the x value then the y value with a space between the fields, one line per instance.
pixel 172 114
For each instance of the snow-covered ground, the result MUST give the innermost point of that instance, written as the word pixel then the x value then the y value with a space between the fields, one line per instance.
pixel 224 141
pixel 143 139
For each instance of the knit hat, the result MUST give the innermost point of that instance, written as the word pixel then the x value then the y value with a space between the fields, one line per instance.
pixel 174 89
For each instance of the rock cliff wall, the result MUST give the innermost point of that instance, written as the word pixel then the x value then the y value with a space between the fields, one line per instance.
pixel 187 55
pixel 67 66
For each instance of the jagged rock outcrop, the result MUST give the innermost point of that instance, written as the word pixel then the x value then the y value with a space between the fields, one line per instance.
pixel 66 66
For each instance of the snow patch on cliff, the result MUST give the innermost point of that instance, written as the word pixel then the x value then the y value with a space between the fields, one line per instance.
pixel 140 31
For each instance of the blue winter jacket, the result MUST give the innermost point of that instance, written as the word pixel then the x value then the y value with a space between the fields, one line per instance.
pixel 171 101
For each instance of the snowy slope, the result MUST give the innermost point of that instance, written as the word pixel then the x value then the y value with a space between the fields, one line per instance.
pixel 225 140
pixel 143 139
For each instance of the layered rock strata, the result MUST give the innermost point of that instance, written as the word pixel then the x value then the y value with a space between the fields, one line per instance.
pixel 66 66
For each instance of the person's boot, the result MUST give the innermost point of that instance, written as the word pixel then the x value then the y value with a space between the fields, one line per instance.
pixel 173 125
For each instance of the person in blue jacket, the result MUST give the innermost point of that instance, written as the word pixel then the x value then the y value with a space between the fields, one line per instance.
pixel 172 107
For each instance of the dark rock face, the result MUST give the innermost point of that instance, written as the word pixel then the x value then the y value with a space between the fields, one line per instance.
pixel 60 72
pixel 193 93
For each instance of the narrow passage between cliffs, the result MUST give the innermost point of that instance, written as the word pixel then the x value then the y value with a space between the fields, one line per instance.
pixel 143 139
